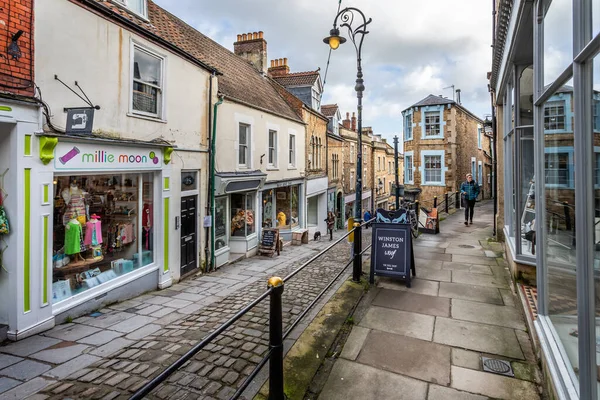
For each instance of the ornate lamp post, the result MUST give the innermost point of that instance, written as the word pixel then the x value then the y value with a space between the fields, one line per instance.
pixel 347 18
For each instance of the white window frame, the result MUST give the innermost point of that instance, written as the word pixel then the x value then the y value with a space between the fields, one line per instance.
pixel 125 4
pixel 291 150
pixel 480 173
pixel 161 107
pixel 408 128
pixel 443 168
pixel 247 145
pixel 409 167
pixel 272 147
pixel 556 104
pixel 436 128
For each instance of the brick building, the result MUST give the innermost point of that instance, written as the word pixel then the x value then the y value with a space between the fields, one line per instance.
pixel 443 141
pixel 20 119
pixel 380 169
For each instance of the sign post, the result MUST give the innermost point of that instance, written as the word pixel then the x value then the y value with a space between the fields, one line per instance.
pixel 392 252
pixel 269 242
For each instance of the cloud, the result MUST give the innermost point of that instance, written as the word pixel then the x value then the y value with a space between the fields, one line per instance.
pixel 412 48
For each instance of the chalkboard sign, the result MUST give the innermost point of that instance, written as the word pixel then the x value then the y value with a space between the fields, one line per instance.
pixel 269 242
pixel 392 251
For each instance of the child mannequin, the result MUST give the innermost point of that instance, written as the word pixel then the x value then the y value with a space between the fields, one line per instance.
pixel 75 202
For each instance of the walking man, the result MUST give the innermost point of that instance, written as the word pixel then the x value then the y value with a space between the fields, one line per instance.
pixel 469 189
pixel 367 218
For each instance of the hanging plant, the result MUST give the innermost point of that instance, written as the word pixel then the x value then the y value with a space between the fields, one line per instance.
pixel 4 227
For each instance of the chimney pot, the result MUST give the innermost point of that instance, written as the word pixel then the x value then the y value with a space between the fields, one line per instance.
pixel 277 62
pixel 285 61
pixel 244 37
pixel 272 63
pixel 249 35
pixel 239 37
pixel 347 115
pixel 260 34
pixel 254 35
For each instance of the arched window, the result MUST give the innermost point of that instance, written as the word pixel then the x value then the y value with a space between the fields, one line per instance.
pixel 319 153
pixel 311 154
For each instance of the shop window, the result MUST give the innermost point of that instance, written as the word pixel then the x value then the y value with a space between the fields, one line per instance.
pixel 272 148
pixel 312 213
pixel 558 38
pixel 286 206
pixel 244 146
pixel 560 244
pixel 147 96
pixel 242 215
pixel 526 183
pixel 221 223
pixel 432 123
pixel 268 219
pixel 103 229
pixel 554 116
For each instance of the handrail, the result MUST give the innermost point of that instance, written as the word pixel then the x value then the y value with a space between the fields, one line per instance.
pixel 147 388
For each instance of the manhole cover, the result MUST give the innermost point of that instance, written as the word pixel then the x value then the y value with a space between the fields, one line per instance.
pixel 497 366
pixel 466 246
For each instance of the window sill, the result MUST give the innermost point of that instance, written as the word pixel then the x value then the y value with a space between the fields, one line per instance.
pixel 433 184
pixel 147 117
pixel 272 168
pixel 431 137
pixel 291 167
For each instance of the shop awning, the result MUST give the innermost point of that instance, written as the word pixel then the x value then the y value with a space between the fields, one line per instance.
pixel 232 182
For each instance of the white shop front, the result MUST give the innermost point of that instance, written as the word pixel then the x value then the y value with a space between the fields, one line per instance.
pixel 91 226
pixel 316 205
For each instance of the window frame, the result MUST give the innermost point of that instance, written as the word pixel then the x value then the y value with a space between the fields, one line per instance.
pixel 125 4
pixel 272 147
pixel 247 146
pixel 409 167
pixel 549 105
pixel 161 97
pixel 291 150
pixel 408 126
pixel 443 168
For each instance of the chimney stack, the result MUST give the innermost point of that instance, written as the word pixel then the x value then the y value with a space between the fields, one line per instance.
pixel 354 121
pixel 253 47
pixel 346 122
pixel 279 67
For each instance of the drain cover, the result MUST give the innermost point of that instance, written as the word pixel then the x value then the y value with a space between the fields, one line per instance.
pixel 466 246
pixel 496 366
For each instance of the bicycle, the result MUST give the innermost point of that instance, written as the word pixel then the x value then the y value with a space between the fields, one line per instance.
pixel 411 217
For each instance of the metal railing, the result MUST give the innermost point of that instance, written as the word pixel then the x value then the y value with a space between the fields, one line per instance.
pixel 274 354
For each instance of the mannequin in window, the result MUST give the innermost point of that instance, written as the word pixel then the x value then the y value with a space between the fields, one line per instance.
pixel 74 239
pixel 73 197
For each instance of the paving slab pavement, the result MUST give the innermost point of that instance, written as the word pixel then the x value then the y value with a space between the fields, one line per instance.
pixel 467 296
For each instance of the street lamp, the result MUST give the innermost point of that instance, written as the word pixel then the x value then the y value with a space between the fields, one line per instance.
pixel 346 17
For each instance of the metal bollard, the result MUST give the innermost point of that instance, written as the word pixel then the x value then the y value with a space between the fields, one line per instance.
pixel 457 200
pixel 276 340
pixel 418 209
pixel 434 201
pixel 357 262
pixel 446 203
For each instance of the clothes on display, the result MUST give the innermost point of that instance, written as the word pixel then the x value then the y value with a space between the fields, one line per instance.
pixel 93 232
pixel 74 238
pixel 73 197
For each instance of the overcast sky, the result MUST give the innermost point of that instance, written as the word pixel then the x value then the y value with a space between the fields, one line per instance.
pixel 414 48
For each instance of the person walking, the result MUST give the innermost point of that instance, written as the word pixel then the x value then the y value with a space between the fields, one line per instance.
pixel 367 218
pixel 469 189
pixel 330 222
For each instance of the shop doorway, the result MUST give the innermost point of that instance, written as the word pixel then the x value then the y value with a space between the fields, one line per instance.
pixel 339 210
pixel 188 234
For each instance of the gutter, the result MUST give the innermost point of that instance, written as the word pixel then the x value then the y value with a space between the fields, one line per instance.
pixel 210 158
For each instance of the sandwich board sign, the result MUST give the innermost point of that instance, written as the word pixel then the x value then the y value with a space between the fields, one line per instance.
pixel 392 251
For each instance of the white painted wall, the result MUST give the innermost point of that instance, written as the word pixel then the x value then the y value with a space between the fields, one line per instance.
pixel 230 114
pixel 98 54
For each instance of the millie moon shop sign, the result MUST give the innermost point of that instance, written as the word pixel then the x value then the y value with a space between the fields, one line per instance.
pixel 83 156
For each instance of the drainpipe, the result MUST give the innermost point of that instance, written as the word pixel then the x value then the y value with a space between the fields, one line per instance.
pixel 212 184
pixel 210 154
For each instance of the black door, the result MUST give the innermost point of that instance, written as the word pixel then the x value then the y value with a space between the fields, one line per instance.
pixel 188 234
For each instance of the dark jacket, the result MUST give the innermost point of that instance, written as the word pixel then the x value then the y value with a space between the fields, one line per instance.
pixel 367 216
pixel 471 189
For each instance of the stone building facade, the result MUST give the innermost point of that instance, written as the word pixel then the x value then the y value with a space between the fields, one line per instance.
pixel 443 141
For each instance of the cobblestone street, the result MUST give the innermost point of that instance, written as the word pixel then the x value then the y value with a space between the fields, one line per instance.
pixel 113 352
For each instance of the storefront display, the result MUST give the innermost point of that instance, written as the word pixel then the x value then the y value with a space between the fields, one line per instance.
pixel 103 229
pixel 242 214
pixel 220 223
pixel 285 212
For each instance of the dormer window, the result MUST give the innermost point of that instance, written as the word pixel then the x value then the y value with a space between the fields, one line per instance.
pixel 139 7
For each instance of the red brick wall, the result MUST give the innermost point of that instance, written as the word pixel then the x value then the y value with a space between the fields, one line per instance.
pixel 16 76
